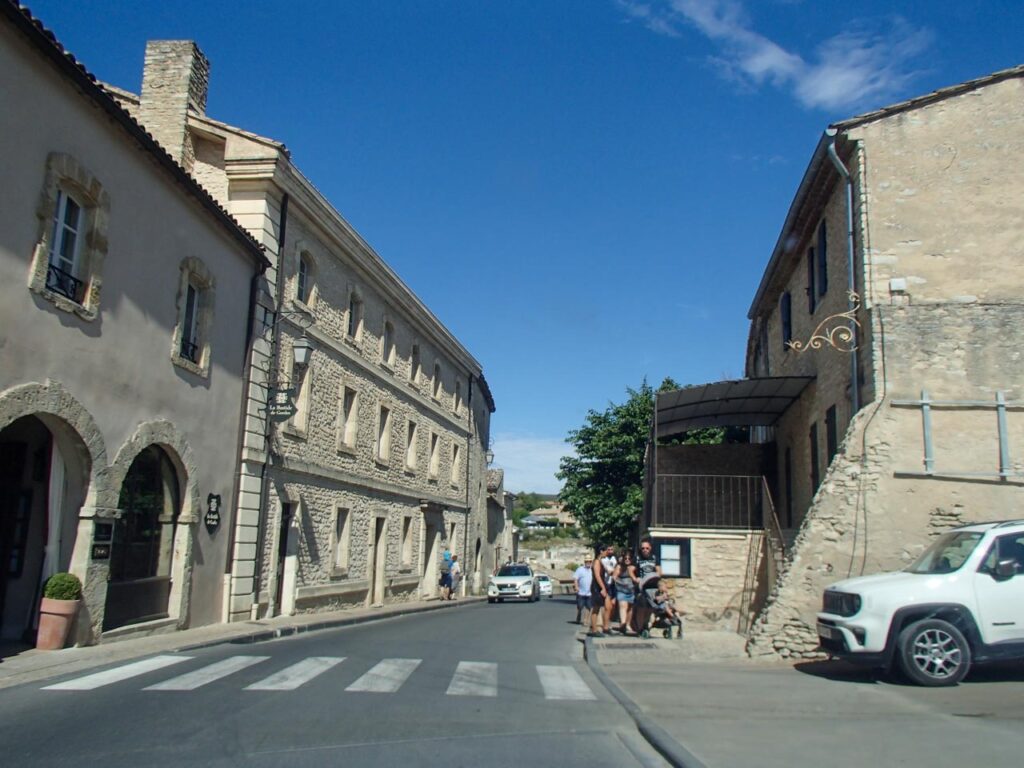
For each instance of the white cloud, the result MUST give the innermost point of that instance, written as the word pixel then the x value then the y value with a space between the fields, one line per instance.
pixel 530 462
pixel 863 62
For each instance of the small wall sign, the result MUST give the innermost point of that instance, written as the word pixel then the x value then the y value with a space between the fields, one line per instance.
pixel 212 516
pixel 100 551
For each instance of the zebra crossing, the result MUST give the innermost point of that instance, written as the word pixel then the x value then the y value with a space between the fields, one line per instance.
pixel 387 676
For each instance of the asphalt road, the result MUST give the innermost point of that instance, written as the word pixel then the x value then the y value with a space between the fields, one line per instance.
pixel 486 685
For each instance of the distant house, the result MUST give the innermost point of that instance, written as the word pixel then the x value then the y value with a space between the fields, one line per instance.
pixel 883 371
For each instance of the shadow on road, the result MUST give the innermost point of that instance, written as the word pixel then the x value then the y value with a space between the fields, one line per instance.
pixel 839 671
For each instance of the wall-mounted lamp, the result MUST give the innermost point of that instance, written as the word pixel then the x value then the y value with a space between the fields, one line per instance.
pixel 302 348
pixel 489 456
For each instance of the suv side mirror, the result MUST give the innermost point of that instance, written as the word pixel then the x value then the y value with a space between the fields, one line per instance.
pixel 1006 568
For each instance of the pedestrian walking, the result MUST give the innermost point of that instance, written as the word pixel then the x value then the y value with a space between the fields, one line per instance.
pixel 584 577
pixel 446 575
pixel 599 621
pixel 625 579
pixel 609 561
pixel 456 576
pixel 646 564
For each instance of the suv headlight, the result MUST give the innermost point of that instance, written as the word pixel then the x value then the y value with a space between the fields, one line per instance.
pixel 840 603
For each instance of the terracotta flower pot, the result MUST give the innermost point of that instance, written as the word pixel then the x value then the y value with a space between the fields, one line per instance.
pixel 55 620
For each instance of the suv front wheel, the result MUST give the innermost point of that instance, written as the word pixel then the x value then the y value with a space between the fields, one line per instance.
pixel 933 652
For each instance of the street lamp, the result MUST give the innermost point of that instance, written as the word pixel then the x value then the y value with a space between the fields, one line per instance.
pixel 489 456
pixel 302 348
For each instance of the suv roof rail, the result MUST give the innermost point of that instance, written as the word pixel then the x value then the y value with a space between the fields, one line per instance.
pixel 1004 523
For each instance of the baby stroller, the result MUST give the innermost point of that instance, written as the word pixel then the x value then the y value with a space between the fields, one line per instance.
pixel 665 614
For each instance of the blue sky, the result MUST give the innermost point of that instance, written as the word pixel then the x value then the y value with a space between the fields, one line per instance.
pixel 584 191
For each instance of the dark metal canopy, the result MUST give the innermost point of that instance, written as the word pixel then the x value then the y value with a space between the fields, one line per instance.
pixel 742 403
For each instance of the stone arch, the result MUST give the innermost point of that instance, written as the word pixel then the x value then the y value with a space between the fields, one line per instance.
pixel 72 425
pixel 164 434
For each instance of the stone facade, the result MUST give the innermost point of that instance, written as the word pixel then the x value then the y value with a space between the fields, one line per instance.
pixel 937 259
pixel 348 496
pixel 91 347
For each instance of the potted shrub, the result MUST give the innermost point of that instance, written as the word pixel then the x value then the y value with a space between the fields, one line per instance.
pixel 62 595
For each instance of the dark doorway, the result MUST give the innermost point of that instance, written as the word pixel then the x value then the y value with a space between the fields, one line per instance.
pixel 143 542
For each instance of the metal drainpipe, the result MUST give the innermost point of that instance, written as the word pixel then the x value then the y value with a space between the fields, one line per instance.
pixel 275 337
pixel 851 282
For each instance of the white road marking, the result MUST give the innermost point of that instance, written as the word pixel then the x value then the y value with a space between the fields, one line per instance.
pixel 474 678
pixel 98 679
pixel 292 677
pixel 200 677
pixel 563 683
pixel 386 677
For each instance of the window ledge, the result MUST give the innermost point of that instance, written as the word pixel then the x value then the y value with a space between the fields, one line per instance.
pixel 292 430
pixel 64 304
pixel 339 573
pixel 203 371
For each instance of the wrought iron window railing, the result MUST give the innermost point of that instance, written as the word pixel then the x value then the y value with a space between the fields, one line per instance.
pixel 190 350
pixel 64 283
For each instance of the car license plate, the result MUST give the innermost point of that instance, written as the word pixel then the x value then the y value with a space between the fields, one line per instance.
pixel 828 632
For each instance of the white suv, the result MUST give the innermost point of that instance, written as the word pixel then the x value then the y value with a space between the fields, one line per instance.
pixel 962 601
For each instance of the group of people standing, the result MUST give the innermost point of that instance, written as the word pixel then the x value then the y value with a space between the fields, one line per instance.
pixel 608 582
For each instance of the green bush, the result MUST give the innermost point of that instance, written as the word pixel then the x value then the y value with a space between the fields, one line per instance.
pixel 63 586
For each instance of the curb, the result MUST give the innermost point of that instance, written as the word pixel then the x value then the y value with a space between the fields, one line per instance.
pixel 674 752
pixel 263 635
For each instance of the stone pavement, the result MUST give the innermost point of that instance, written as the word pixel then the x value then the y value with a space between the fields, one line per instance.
pixel 32 665
pixel 713 706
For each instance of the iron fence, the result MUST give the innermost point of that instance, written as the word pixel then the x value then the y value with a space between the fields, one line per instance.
pixel 708 501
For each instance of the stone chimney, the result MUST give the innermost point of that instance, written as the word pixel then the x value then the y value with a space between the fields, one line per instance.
pixel 175 79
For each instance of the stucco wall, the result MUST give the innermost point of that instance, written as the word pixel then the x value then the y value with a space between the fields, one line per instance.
pixel 118 367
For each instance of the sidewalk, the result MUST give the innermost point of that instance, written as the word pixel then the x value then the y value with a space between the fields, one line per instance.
pixel 702 702
pixel 32 665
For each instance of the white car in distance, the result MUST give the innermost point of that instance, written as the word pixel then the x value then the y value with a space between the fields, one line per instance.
pixel 546 587
pixel 513 581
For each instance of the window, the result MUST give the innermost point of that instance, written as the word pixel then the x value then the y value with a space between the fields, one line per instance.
pixel 189 339
pixel 355 315
pixel 62 274
pixel 457 400
pixel 435 455
pixel 190 347
pixel 455 464
pixel 410 445
pixel 342 534
pixel 407 541
pixel 73 215
pixel 304 279
pixel 387 347
pixel 786 312
pixel 814 458
pixel 822 260
pixel 831 441
pixel 437 381
pixel 301 386
pixel 348 418
pixel 384 435
pixel 812 294
pixel 414 364
pixel 674 557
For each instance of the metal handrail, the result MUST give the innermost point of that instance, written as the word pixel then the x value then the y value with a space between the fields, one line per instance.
pixel 64 283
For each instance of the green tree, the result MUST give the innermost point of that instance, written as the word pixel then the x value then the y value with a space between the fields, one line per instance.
pixel 603 482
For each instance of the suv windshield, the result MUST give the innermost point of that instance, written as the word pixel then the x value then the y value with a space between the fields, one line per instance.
pixel 514 570
pixel 947 554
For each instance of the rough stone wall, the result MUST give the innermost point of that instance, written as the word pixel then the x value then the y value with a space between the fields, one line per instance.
pixel 175 79
pixel 714 596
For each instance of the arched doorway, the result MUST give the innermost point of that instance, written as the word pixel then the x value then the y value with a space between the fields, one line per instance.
pixel 42 486
pixel 142 550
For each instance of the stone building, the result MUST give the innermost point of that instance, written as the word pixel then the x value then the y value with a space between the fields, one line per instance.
pixel 123 325
pixel 895 412
pixel 361 466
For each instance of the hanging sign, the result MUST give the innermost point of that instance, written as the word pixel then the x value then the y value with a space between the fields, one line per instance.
pixel 212 516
